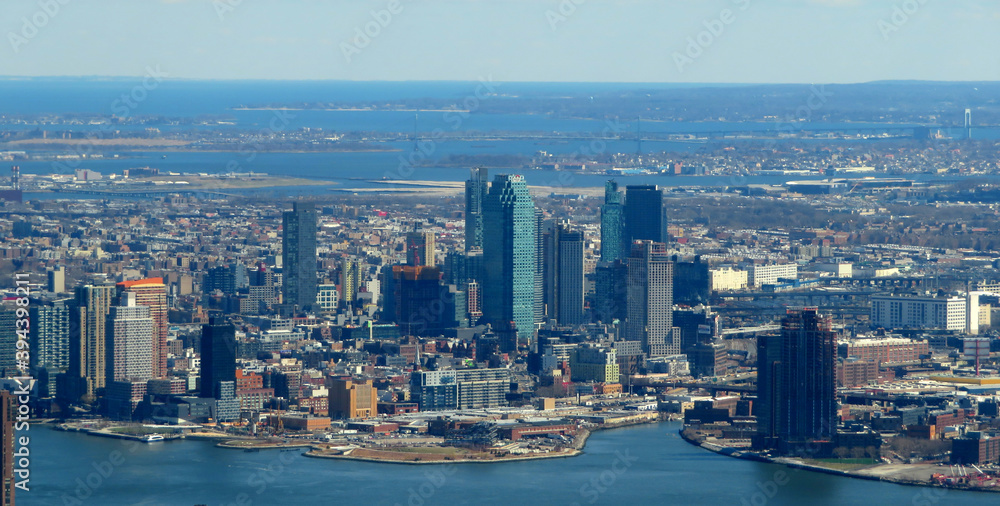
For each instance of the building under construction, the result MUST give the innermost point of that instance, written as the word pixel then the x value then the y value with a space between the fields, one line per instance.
pixel 796 383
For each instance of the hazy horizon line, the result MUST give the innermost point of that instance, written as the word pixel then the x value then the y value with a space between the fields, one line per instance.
pixel 657 83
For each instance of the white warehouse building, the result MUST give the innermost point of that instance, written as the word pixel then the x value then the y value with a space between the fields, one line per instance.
pixel 769 274
pixel 727 278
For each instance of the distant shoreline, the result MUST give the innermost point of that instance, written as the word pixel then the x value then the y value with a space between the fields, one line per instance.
pixel 735 453
pixel 347 109
pixel 182 149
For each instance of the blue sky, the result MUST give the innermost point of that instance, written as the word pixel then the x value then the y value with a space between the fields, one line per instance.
pixel 772 41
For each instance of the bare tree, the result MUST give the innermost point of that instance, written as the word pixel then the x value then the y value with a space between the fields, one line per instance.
pixel 841 452
pixel 872 452
pixel 858 452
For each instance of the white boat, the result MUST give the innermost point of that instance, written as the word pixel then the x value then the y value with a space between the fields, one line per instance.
pixel 152 438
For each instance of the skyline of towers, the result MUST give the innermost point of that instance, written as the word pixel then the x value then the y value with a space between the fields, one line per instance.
pixel 152 293
pixel 298 255
pixel 510 250
pixel 511 286
pixel 476 189
pixel 613 245
pixel 650 300
pixel 796 381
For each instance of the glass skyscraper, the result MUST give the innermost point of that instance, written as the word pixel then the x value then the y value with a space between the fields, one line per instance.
pixel 298 251
pixel 613 224
pixel 645 217
pixel 476 189
pixel 571 280
pixel 218 357
pixel 510 250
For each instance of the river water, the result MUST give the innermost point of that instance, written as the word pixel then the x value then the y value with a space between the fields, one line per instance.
pixel 647 464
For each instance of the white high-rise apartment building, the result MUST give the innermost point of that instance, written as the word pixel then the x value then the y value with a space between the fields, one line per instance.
pixel 130 341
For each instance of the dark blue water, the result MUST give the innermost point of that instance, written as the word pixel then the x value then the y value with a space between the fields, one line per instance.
pixel 192 99
pixel 641 465
pixel 363 170
pixel 195 98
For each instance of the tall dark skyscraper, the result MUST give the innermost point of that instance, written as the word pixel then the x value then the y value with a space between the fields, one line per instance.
pixel 298 243
pixel 611 291
pixel 510 254
pixel 571 286
pixel 548 260
pixel 563 273
pixel 415 289
pixel 650 300
pixel 218 356
pixel 228 279
pixel 465 271
pixel 476 189
pixel 692 282
pixel 613 244
pixel 796 382
pixel 645 216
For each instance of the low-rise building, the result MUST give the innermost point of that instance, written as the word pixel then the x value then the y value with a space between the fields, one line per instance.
pixel 726 278
pixel 351 399
pixel 919 312
pixel 883 351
